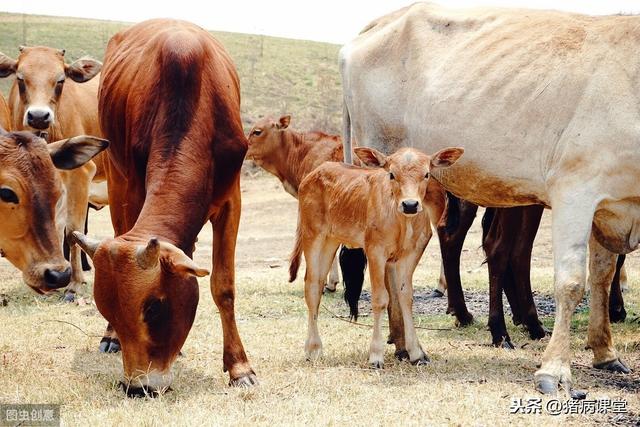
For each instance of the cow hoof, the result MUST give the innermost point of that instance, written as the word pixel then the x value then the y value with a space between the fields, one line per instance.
pixel 537 333
pixel 464 319
pixel 109 345
pixel 377 364
pixel 617 316
pixel 436 293
pixel 546 384
pixel 401 355
pixel 328 290
pixel 615 365
pixel 508 345
pixel 245 381
pixel 422 361
pixel 578 394
pixel 69 296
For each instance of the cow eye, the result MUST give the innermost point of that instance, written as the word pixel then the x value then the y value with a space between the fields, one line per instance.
pixel 391 175
pixel 257 132
pixel 8 196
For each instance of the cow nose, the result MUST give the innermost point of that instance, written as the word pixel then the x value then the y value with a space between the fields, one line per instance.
pixel 55 279
pixel 39 119
pixel 410 206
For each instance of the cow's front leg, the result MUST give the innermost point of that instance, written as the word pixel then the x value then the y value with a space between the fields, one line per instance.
pixel 571 229
pixel 225 231
pixel 77 184
pixel 602 266
pixel 379 301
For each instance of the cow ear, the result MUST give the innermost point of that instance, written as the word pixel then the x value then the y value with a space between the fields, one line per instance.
pixel 82 70
pixel 446 157
pixel 7 65
pixel 284 122
pixel 176 261
pixel 74 152
pixel 370 157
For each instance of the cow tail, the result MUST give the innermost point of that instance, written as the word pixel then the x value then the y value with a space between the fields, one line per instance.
pixel 294 261
pixel 487 219
pixel 353 263
pixel 346 134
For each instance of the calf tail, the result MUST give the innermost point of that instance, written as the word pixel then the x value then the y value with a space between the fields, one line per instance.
pixel 353 263
pixel 294 261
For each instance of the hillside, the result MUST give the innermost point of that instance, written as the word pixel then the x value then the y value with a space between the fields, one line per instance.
pixel 277 75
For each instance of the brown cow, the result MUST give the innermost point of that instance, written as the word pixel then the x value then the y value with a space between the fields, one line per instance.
pixel 60 99
pixel 170 102
pixel 292 155
pixel 30 189
pixel 380 210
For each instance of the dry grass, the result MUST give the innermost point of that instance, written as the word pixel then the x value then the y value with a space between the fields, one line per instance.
pixel 468 383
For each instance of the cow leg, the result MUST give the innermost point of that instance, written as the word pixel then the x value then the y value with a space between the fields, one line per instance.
pixel 452 230
pixel 617 313
pixel 602 267
pixel 624 284
pixel 571 230
pixel 334 277
pixel 379 301
pixel 109 342
pixel 225 232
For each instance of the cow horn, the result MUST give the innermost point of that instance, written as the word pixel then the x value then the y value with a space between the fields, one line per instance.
pixel 87 244
pixel 149 255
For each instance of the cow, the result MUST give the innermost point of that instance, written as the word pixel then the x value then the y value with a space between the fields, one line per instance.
pixel 59 100
pixel 5 114
pixel 386 210
pixel 30 190
pixel 169 101
pixel 544 106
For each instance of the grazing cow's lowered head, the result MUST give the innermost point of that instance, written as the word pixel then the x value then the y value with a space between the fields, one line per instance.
pixel 147 292
pixel 266 142
pixel 409 170
pixel 40 78
pixel 30 190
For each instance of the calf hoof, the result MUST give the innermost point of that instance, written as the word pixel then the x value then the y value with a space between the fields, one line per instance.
pixel 401 355
pixel 69 296
pixel 244 381
pixel 546 384
pixel 328 290
pixel 436 293
pixel 421 361
pixel 378 364
pixel 615 365
pixel 617 316
pixel 313 353
pixel 109 345
pixel 464 319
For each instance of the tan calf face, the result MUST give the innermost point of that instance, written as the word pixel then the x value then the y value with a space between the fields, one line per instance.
pixel 266 145
pixel 149 294
pixel 30 189
pixel 40 77
pixel 409 171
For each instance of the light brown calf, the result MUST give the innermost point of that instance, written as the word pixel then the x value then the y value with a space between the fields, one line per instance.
pixel 291 156
pixel 386 211
pixel 60 99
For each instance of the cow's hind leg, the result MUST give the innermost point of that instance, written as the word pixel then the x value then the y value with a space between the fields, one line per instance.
pixel 225 231
pixel 617 313
pixel 602 266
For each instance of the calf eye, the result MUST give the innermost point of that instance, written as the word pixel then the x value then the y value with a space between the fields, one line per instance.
pixel 8 196
pixel 391 176
pixel 256 132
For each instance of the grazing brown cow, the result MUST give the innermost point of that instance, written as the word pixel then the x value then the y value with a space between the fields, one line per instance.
pixel 170 102
pixel 30 189
pixel 385 210
pixel 59 99
pixel 292 155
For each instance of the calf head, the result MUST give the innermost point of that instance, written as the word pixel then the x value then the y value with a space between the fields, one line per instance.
pixel 40 76
pixel 148 292
pixel 408 172
pixel 267 145
pixel 30 192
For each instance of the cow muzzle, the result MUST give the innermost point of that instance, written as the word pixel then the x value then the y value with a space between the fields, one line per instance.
pixel 410 207
pixel 39 117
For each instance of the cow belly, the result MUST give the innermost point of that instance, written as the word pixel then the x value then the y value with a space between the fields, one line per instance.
pixel 616 225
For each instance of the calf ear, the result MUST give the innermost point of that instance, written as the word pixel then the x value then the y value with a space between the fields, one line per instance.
pixel 446 157
pixel 370 157
pixel 75 152
pixel 179 263
pixel 284 122
pixel 7 65
pixel 82 70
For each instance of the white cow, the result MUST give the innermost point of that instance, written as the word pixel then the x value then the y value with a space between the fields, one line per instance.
pixel 547 107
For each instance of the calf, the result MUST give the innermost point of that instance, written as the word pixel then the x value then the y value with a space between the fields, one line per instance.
pixel 290 156
pixel 381 210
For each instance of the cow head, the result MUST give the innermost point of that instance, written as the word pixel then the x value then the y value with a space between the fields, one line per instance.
pixel 148 293
pixel 40 77
pixel 266 142
pixel 30 190
pixel 408 172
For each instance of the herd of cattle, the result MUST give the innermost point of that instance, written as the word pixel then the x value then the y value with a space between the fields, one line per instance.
pixel 444 110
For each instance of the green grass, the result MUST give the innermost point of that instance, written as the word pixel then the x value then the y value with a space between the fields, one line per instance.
pixel 277 75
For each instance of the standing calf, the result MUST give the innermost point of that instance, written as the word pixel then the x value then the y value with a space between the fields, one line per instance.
pixel 385 210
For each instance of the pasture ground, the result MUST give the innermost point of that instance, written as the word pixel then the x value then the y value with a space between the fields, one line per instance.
pixel 468 382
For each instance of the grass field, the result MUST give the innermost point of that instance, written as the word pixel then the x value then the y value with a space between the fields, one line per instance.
pixel 45 358
pixel 277 75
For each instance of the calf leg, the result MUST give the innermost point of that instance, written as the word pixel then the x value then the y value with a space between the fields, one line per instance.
pixel 379 301
pixel 602 266
pixel 225 231
pixel 394 312
pixel 617 313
